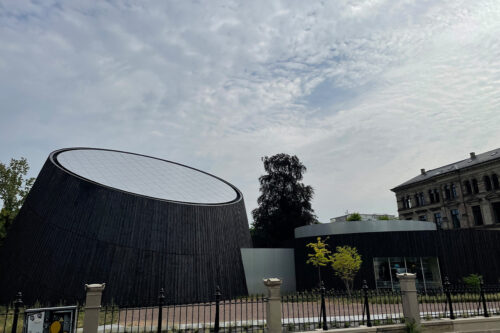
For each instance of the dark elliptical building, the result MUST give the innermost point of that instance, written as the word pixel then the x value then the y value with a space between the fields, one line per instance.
pixel 135 222
pixel 464 194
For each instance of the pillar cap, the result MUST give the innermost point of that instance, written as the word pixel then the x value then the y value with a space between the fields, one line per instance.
pixel 271 282
pixel 95 287
pixel 406 275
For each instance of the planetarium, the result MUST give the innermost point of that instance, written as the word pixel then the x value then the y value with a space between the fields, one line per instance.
pixel 135 222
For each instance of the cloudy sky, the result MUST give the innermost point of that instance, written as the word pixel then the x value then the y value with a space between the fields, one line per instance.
pixel 365 93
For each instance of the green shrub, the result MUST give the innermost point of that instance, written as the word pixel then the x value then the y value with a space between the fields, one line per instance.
pixel 473 281
pixel 354 217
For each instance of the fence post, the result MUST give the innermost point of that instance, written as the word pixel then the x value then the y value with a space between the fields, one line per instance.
pixel 217 301
pixel 161 299
pixel 448 296
pixel 273 306
pixel 411 311
pixel 483 299
pixel 92 307
pixel 17 304
pixel 323 307
pixel 367 304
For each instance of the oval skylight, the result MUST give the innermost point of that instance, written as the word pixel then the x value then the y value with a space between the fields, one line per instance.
pixel 146 176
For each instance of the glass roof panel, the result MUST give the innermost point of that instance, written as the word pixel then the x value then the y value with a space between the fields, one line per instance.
pixel 146 176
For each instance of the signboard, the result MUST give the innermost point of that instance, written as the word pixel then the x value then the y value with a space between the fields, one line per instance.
pixel 60 319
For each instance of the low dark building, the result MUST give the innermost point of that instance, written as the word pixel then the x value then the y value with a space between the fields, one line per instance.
pixel 391 247
pixel 135 222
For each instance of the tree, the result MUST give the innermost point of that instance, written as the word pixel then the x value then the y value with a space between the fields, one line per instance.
pixel 354 217
pixel 383 217
pixel 321 255
pixel 284 203
pixel 14 186
pixel 346 263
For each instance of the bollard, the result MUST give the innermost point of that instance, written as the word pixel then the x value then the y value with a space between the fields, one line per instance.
pixel 323 307
pixel 367 304
pixel 409 299
pixel 273 306
pixel 17 304
pixel 448 296
pixel 217 302
pixel 161 299
pixel 92 307
pixel 483 299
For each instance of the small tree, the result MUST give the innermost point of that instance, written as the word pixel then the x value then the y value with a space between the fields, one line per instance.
pixel 346 263
pixel 14 186
pixel 383 217
pixel 354 217
pixel 321 255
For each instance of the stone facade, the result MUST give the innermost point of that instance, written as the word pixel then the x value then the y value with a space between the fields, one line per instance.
pixel 465 194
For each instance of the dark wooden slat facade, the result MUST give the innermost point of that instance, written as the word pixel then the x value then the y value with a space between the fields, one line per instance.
pixel 71 231
pixel 460 253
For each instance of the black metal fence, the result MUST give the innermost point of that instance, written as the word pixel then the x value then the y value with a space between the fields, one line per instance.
pixel 330 309
pixel 244 314
pixel 459 301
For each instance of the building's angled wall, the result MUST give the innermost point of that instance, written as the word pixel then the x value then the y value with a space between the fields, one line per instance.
pixel 70 232
pixel 260 263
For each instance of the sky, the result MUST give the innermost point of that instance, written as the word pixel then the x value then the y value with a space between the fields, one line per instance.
pixel 365 93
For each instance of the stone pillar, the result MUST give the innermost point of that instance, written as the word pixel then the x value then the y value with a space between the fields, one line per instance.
pixel 409 297
pixel 273 307
pixel 92 307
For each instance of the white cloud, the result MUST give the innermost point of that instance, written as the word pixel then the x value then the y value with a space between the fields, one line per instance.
pixel 364 92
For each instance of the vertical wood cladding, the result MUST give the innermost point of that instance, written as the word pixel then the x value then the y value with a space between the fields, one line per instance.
pixel 460 252
pixel 70 232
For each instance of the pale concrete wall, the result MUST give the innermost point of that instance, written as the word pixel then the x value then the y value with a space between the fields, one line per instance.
pixel 268 263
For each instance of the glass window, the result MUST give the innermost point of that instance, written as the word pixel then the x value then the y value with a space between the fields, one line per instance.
pixel 447 192
pixel 438 220
pixel 494 179
pixel 431 196
pixel 454 191
pixel 487 183
pixel 478 217
pixel 430 268
pixel 468 187
pixel 382 273
pixel 496 211
pixel 455 218
pixel 475 187
pixel 422 218
pixel 436 195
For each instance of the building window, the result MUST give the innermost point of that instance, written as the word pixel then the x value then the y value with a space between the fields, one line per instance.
pixel 496 211
pixel 408 202
pixel 425 268
pixel 478 217
pixel 454 191
pixel 455 218
pixel 417 200
pixel 422 198
pixel 447 192
pixel 494 179
pixel 487 183
pixel 436 195
pixel 468 187
pixel 431 196
pixel 422 218
pixel 403 202
pixel 475 187
pixel 438 220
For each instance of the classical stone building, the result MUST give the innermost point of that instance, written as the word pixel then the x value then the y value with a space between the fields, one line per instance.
pixel 464 194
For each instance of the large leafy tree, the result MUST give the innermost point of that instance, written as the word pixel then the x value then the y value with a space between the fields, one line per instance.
pixel 284 203
pixel 14 186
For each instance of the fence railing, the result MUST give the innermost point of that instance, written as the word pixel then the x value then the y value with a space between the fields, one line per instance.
pixel 459 301
pixel 341 309
pixel 244 314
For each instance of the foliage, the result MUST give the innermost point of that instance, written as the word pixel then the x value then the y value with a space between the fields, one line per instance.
pixel 412 326
pixel 14 186
pixel 284 203
pixel 354 217
pixel 473 281
pixel 346 263
pixel 383 217
pixel 321 255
